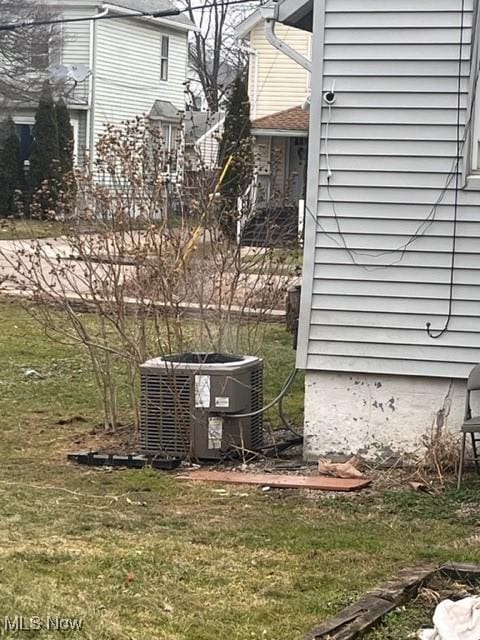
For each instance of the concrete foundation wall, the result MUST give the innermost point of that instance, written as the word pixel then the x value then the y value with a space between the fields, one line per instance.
pixel 377 416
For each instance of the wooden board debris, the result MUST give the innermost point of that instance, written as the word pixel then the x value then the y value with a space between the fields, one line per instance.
pixel 461 571
pixel 354 621
pixel 278 481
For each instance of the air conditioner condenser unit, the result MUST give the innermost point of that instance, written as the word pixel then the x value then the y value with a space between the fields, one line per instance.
pixel 192 405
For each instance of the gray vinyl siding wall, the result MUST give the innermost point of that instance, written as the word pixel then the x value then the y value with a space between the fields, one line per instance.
pixel 392 145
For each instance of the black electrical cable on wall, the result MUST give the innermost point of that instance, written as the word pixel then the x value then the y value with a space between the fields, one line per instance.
pixel 428 221
pixel 432 334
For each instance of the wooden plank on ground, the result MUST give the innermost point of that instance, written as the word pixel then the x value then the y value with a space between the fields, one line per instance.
pixel 320 483
pixel 461 571
pixel 353 621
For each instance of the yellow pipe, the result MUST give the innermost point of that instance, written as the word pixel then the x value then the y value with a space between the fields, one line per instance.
pixel 196 233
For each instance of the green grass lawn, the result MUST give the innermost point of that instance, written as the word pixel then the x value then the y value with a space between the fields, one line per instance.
pixel 26 229
pixel 281 262
pixel 140 555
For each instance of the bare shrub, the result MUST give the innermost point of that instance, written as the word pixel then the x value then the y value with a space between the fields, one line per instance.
pixel 142 267
pixel 440 456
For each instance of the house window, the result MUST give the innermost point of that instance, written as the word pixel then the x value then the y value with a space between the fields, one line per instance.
pixel 165 50
pixel 76 128
pixel 475 145
pixel 471 151
pixel 166 131
pixel 170 134
pixel 40 51
pixel 25 137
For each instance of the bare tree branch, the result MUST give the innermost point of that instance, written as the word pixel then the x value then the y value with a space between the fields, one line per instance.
pixel 25 54
pixel 215 55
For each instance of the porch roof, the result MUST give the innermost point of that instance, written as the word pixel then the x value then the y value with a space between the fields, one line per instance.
pixel 165 111
pixel 290 122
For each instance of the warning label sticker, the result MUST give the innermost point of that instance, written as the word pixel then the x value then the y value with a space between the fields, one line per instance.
pixel 215 432
pixel 202 392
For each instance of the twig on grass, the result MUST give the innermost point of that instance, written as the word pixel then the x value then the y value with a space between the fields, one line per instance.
pixel 77 494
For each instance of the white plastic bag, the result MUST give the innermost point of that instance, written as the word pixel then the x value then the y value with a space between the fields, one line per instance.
pixel 455 621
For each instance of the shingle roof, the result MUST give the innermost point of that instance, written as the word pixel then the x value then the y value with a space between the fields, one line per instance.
pixel 294 119
pixel 149 6
pixel 164 110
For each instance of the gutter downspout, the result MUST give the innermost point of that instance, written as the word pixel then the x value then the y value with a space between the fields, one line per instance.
pixel 255 83
pixel 91 86
pixel 270 15
pixel 254 54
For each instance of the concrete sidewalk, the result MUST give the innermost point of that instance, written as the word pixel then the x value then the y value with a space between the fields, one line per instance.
pixel 73 281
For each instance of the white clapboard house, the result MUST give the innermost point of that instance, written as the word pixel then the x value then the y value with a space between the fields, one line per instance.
pixel 390 313
pixel 117 69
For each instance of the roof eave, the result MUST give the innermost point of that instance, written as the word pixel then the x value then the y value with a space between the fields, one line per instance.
pixel 296 13
pixel 280 133
pixel 159 22
pixel 244 28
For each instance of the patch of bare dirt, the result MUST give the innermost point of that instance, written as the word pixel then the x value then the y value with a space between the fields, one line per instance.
pixel 123 440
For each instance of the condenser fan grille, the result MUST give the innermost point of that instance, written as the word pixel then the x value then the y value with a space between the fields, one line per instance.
pixel 256 424
pixel 166 414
